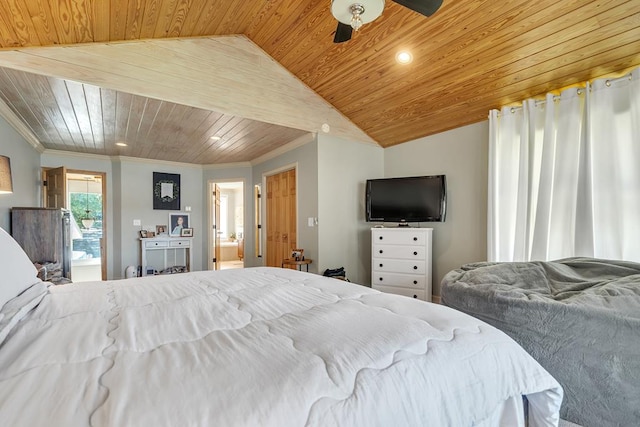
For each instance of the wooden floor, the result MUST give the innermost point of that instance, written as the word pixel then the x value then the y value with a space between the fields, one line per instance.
pixel 225 265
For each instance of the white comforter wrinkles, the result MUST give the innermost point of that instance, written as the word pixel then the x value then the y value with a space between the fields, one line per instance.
pixel 258 347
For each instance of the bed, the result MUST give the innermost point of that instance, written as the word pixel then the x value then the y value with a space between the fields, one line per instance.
pixel 256 346
pixel 578 317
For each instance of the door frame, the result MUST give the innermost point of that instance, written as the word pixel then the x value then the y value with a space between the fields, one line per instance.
pixel 105 222
pixel 210 184
pixel 263 213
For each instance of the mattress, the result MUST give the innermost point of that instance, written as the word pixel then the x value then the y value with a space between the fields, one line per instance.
pixel 259 346
pixel 578 317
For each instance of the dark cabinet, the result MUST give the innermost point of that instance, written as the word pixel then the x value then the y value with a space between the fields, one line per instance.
pixel 45 235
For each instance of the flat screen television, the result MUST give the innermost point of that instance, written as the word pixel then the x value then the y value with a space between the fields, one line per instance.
pixel 407 199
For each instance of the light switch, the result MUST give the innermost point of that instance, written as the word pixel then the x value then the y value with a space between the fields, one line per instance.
pixel 137 222
pixel 310 222
pixel 187 208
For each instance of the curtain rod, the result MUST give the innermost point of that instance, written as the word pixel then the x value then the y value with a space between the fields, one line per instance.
pixel 588 83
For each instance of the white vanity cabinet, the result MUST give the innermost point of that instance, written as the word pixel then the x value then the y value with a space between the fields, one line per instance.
pixel 401 261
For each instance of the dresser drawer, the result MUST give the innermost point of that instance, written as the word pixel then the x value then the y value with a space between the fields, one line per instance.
pixel 399 265
pixel 399 237
pixel 411 293
pixel 381 278
pixel 399 252
pixel 180 244
pixel 152 244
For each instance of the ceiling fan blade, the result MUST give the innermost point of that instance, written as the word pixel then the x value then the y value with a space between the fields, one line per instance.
pixel 425 7
pixel 343 33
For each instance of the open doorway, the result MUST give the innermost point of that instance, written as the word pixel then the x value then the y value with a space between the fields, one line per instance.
pixel 227 218
pixel 85 192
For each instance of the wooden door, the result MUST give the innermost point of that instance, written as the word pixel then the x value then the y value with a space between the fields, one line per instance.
pixel 215 235
pixel 281 218
pixel 55 188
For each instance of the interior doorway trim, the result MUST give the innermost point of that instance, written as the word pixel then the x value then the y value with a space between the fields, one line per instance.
pixel 105 219
pixel 210 186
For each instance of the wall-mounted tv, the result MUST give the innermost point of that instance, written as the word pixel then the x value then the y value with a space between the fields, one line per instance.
pixel 407 199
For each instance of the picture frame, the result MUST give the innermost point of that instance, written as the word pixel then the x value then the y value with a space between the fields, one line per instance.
pixel 166 191
pixel 178 221
pixel 297 254
pixel 161 229
pixel 151 234
pixel 186 232
pixel 143 234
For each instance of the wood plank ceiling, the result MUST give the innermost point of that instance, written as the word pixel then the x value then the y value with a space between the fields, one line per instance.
pixel 469 57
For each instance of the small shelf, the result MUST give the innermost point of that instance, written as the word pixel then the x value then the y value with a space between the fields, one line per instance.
pixel 168 246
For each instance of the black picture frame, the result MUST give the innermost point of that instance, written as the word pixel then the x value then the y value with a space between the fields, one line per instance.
pixel 166 191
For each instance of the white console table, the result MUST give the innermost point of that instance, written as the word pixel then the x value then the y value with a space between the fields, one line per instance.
pixel 171 247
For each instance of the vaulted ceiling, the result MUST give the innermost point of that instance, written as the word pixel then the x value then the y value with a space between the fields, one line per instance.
pixel 469 57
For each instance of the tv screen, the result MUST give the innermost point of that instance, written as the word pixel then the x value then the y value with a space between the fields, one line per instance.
pixel 408 199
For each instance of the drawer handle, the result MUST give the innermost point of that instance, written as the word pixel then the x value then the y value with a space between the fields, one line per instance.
pixel 380 265
pixel 381 250
pixel 415 282
pixel 415 239
pixel 380 237
pixel 415 253
pixel 415 296
pixel 415 267
pixel 381 279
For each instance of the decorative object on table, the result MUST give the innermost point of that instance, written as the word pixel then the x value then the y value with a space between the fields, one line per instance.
pixel 151 234
pixel 186 232
pixel 166 191
pixel 178 221
pixel 143 234
pixel 297 254
pixel 87 220
pixel 161 229
pixel 6 184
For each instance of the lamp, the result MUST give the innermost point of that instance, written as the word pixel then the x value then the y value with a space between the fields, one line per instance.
pixel 6 185
pixel 356 12
pixel 87 221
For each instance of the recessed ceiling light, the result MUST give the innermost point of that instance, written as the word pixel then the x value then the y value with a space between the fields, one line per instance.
pixel 121 144
pixel 404 57
pixel 215 138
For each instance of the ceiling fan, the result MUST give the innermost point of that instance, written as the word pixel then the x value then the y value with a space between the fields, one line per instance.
pixel 352 14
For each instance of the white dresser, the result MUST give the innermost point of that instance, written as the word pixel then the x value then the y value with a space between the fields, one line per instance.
pixel 401 261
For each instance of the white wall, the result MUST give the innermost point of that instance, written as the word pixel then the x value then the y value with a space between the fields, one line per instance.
pixel 344 236
pixel 25 172
pixel 306 159
pixel 136 200
pixel 461 154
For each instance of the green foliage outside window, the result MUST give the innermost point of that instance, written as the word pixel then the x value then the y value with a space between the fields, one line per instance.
pixel 78 203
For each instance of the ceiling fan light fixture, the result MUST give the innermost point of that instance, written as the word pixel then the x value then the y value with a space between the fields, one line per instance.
pixel 356 21
pixel 356 12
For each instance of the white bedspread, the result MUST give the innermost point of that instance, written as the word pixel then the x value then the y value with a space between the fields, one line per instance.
pixel 259 347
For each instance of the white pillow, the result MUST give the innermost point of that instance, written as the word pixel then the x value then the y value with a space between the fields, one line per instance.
pixel 17 272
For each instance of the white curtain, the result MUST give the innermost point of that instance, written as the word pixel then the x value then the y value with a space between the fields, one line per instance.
pixel 564 175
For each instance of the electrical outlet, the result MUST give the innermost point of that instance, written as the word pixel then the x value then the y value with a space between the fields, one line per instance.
pixel 310 222
pixel 137 223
